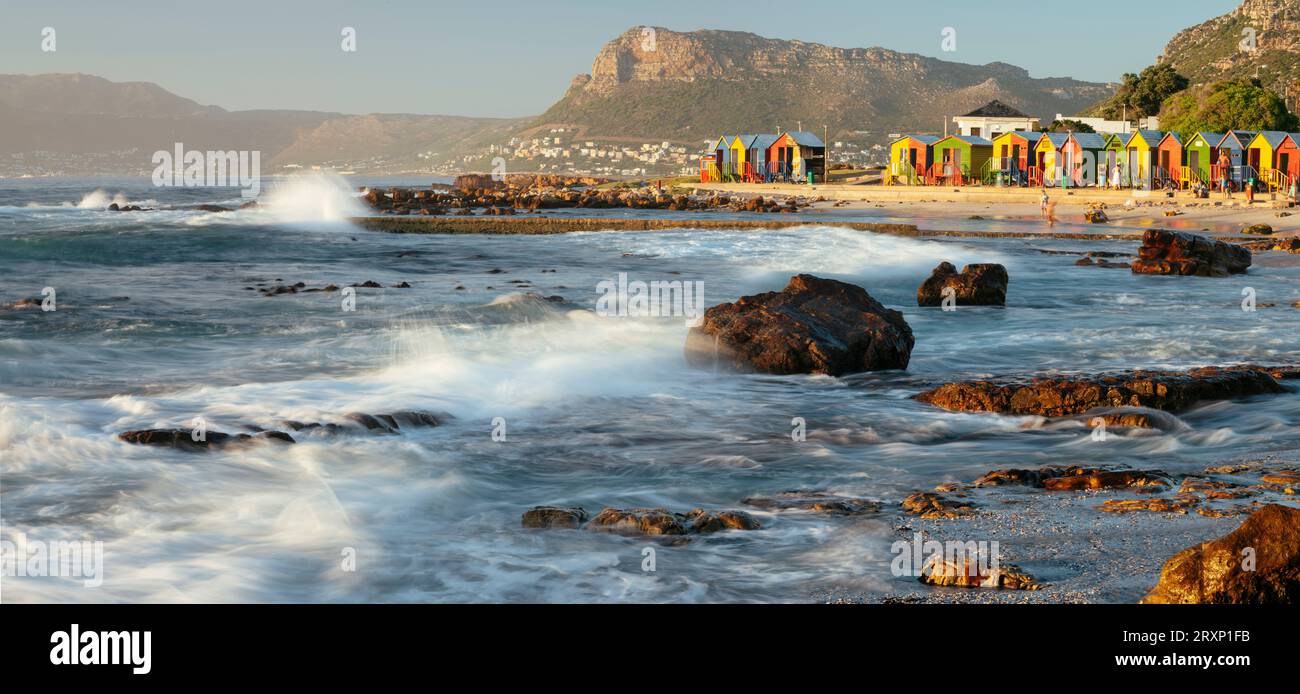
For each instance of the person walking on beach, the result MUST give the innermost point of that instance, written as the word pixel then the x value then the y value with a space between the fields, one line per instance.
pixel 1051 214
pixel 1042 204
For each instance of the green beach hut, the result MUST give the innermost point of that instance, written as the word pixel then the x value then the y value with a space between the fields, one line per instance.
pixel 1201 151
pixel 957 157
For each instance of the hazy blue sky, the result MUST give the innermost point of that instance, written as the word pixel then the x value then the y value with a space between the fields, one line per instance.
pixel 515 57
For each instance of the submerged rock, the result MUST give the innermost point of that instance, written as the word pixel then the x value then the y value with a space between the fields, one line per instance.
pixel 554 517
pixel 814 502
pixel 703 522
pixel 813 326
pixel 1258 563
pixel 637 521
pixel 1172 391
pixel 981 284
pixel 183 439
pixel 1180 253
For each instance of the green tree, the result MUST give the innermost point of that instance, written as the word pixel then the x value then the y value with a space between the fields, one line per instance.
pixel 1239 104
pixel 1069 125
pixel 1142 95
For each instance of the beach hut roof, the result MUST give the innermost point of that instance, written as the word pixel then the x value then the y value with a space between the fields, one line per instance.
pixel 970 140
pixel 1057 139
pixel 1236 139
pixel 1211 139
pixel 806 139
pixel 926 140
pixel 1274 138
pixel 1090 140
pixel 1151 137
pixel 1172 134
pixel 762 141
pixel 725 141
pixel 995 109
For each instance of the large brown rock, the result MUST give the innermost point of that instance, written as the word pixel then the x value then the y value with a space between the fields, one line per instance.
pixel 981 284
pixel 637 521
pixel 1218 571
pixel 813 326
pixel 1180 253
pixel 1172 391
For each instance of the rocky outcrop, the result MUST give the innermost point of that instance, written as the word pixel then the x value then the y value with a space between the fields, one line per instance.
pixel 1179 504
pixel 813 326
pixel 980 284
pixel 1180 253
pixel 1258 563
pixel 1172 391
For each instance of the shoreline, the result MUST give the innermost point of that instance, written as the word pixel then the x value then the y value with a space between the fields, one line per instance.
pixel 542 226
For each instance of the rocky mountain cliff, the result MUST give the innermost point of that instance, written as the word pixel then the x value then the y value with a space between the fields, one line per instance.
pixel 1220 48
pixel 662 83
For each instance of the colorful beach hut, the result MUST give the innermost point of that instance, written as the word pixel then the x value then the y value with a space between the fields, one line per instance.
pixel 909 157
pixel 1233 145
pixel 737 146
pixel 957 158
pixel 1084 158
pixel 1011 156
pixel 795 155
pixel 1115 162
pixel 1200 153
pixel 1140 151
pixel 723 157
pixel 1045 170
pixel 756 157
pixel 1169 160
pixel 1261 154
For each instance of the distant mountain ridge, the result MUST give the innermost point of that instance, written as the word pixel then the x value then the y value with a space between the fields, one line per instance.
pixel 654 82
pixel 79 124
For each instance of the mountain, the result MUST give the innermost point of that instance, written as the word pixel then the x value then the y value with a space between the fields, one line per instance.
pixel 690 86
pixel 1219 49
pixel 82 124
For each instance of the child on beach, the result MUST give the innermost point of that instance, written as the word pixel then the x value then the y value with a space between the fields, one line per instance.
pixel 1042 204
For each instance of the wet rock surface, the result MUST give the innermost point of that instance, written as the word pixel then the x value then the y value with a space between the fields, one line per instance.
pixel 1180 253
pixel 981 284
pixel 554 517
pixel 188 440
pixel 813 326
pixel 1258 563
pixel 930 505
pixel 969 572
pixel 1171 391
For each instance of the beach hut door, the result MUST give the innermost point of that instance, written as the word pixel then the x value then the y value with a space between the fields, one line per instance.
pixel 1194 160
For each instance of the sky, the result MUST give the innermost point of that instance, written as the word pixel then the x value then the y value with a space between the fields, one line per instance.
pixel 511 58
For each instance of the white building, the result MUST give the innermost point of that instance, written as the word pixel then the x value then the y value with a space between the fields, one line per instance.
pixel 993 119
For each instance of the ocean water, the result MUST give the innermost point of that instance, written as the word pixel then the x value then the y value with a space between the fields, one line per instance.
pixel 154 327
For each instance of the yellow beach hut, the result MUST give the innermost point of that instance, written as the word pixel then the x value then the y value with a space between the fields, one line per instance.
pixel 1141 156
